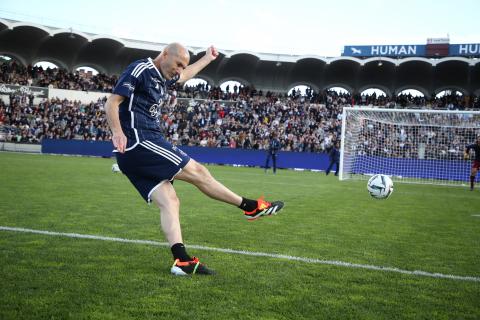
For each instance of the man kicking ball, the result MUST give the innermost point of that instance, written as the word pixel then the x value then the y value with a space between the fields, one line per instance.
pixel 150 162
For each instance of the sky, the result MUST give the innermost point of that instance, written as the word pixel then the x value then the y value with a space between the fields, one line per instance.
pixel 300 27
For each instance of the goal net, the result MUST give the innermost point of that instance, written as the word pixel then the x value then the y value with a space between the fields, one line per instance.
pixel 416 146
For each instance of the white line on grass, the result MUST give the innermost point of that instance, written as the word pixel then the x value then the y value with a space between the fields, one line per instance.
pixel 475 215
pixel 252 253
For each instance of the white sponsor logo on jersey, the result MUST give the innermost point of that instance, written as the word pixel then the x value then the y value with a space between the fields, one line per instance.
pixel 128 85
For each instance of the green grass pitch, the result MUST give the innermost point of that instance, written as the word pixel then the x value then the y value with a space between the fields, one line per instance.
pixel 420 227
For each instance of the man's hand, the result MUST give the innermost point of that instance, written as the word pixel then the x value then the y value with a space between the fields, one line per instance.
pixel 119 141
pixel 211 53
pixel 466 156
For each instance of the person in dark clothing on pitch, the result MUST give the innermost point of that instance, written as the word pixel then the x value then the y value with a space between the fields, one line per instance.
pixel 334 155
pixel 273 148
pixel 476 162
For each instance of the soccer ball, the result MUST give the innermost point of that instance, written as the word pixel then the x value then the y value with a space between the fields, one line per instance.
pixel 115 168
pixel 380 186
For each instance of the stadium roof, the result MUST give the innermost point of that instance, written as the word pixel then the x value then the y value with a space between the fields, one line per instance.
pixel 30 43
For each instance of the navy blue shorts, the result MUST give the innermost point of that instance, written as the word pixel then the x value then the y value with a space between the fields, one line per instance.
pixel 151 163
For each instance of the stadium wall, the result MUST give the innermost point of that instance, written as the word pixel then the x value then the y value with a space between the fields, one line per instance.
pixel 224 156
pixel 20 147
pixel 42 93
pixel 75 95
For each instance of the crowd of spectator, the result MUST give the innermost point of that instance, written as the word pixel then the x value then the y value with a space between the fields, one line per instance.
pixel 250 122
pixel 22 121
pixel 413 142
pixel 244 124
pixel 14 73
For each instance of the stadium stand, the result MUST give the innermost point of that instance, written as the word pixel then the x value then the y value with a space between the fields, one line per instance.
pixel 309 123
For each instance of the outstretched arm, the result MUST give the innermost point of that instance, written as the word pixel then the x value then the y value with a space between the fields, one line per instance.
pixel 192 70
pixel 111 109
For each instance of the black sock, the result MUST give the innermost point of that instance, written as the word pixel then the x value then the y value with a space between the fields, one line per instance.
pixel 179 252
pixel 472 181
pixel 248 204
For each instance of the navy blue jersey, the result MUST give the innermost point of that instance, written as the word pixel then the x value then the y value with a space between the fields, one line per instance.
pixel 145 90
pixel 476 148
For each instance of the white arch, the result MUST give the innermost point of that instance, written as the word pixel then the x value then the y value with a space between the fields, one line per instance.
pixel 56 62
pixel 303 83
pixel 375 86
pixel 242 81
pixel 435 62
pixel 15 57
pixel 315 57
pixel 340 85
pixel 97 67
pixel 206 78
pixel 346 58
pixel 414 87
pixel 415 59
pixel 196 79
pixel 448 87
pixel 378 59
pixel 460 59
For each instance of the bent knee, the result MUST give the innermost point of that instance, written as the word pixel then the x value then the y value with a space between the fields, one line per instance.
pixel 196 171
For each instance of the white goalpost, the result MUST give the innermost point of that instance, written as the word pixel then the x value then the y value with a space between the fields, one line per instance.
pixel 415 146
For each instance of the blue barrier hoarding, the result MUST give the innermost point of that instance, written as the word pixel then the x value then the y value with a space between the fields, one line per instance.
pixel 78 147
pixel 419 168
pixel 227 156
pixel 256 158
